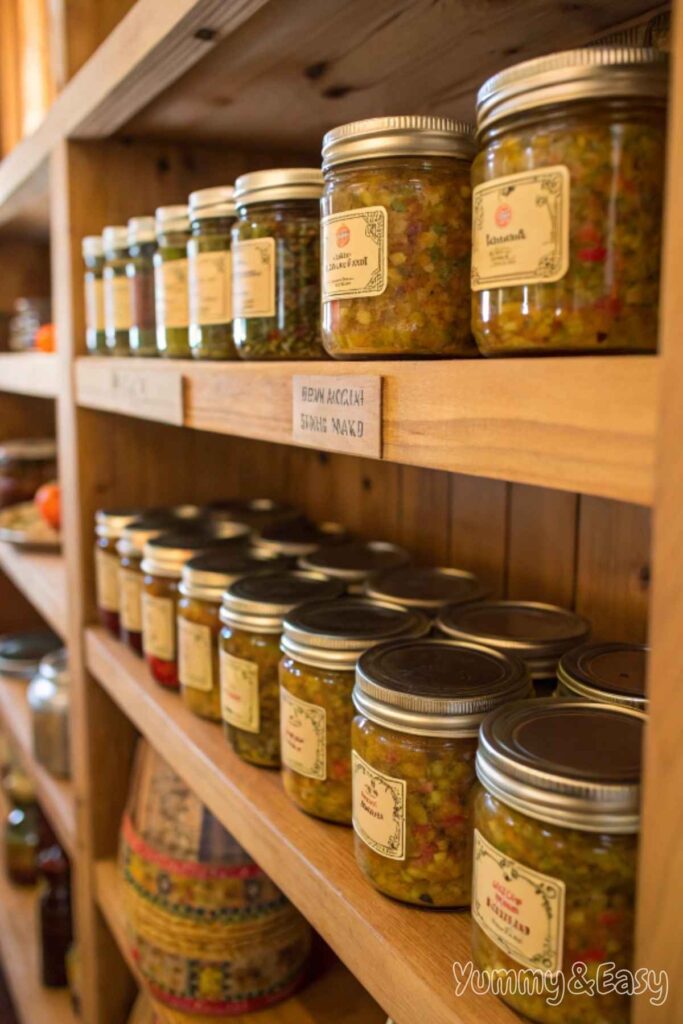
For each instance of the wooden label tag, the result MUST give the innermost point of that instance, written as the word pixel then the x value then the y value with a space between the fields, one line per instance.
pixel 142 391
pixel 338 414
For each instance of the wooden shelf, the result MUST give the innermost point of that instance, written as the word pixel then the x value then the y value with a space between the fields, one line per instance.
pixel 41 577
pixel 402 956
pixel 29 373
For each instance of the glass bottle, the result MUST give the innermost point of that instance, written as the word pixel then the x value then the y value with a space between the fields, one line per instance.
pixel 209 264
pixel 170 281
pixel 117 305
pixel 56 927
pixel 142 244
pixel 93 287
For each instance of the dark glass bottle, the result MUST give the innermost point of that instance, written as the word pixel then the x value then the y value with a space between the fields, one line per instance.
pixel 56 928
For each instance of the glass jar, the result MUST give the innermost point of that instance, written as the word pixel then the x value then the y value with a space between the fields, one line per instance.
pixel 355 563
pixel 142 244
pixel 48 699
pixel 109 526
pixel 321 642
pixel 396 231
pixel 425 587
pixel 23 830
pixel 555 850
pixel 537 633
pixel 276 264
pixel 54 916
pixel 299 536
pixel 252 614
pixel 170 281
pixel 21 653
pixel 93 291
pixel 209 267
pixel 117 291
pixel 612 673
pixel 419 705
pixel 259 513
pixel 25 465
pixel 565 251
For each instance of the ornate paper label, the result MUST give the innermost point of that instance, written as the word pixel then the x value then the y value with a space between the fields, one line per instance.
pixel 303 736
pixel 379 809
pixel 117 304
pixel 210 287
pixel 158 627
pixel 253 278
pixel 107 576
pixel 239 692
pixel 94 303
pixel 195 662
pixel 170 293
pixel 354 253
pixel 130 594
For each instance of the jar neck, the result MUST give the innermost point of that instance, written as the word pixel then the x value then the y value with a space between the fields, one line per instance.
pixel 280 209
pixel 417 163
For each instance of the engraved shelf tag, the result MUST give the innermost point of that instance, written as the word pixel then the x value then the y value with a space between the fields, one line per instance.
pixel 338 414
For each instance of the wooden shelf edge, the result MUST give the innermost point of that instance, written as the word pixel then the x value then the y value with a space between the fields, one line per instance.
pixel 41 577
pixel 29 373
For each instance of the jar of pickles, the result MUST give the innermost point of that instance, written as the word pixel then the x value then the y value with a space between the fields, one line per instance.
pixel 321 643
pixel 299 537
pixel 117 292
pixel 109 526
pixel 425 587
pixel 419 705
pixel 276 264
pixel 170 281
pixel 612 673
pixel 142 244
pixel 396 238
pixel 565 248
pixel 555 849
pixel 209 265
pixel 93 289
pixel 355 563
pixel 252 615
pixel 25 465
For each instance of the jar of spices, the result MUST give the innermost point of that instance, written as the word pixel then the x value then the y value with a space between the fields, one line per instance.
pixel 21 653
pixel 537 633
pixel 565 251
pixel 396 238
pixel 425 587
pixel 252 614
pixel 48 699
pixel 299 536
pixel 170 281
pixel 276 264
pixel 612 673
pixel 117 291
pixel 355 563
pixel 556 836
pixel 321 643
pixel 93 290
pixel 25 465
pixel 109 526
pixel 209 263
pixel 142 244
pixel 419 706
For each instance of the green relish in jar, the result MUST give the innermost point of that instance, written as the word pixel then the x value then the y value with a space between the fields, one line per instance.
pixel 142 245
pixel 425 587
pixel 612 673
pixel 116 290
pixel 209 267
pixel 93 287
pixel 170 281
pixel 356 562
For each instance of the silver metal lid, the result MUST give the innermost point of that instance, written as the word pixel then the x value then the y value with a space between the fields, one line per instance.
pixel 212 202
pixel 299 536
pixel 565 762
pixel 172 218
pixel 206 576
pixel 593 73
pixel 92 246
pixel 278 184
pixel 258 512
pixel 410 135
pixel 115 238
pixel 141 230
pixel 153 523
pixel 426 587
pixel 29 449
pixel 356 561
pixel 55 666
pixel 166 554
pixel 111 522
pixel 436 687
pixel 21 653
pixel 608 672
pixel 260 603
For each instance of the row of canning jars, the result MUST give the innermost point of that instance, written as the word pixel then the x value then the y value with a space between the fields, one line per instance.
pixel 541 233
pixel 377 726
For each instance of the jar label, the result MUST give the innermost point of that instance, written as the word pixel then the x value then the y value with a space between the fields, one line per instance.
pixel 158 627
pixel 520 229
pixel 107 578
pixel 354 254
pixel 130 594
pixel 117 305
pixel 521 910
pixel 170 293
pixel 195 658
pixel 253 278
pixel 303 736
pixel 210 285
pixel 239 692
pixel 379 809
pixel 94 303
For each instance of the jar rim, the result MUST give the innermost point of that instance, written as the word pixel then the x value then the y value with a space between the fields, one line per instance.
pixel 280 183
pixel 356 560
pixel 387 586
pixel 619 680
pixel 405 135
pixel 206 203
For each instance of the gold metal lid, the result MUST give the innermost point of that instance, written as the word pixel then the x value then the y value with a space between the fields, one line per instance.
pixel 92 246
pixel 299 536
pixel 141 230
pixel 426 587
pixel 356 561
pixel 409 135
pixel 212 202
pixel 28 449
pixel 612 673
pixel 172 218
pixel 206 576
pixel 260 603
pixel 111 522
pixel 281 183
pixel 166 554
pixel 115 238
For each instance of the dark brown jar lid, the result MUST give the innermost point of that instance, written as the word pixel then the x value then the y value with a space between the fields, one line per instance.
pixel 21 653
pixel 610 672
pixel 207 576
pixel 153 523
pixel 111 522
pixel 28 449
pixel 167 553
pixel 260 603
pixel 425 586
pixel 356 561
pixel 257 512
pixel 299 536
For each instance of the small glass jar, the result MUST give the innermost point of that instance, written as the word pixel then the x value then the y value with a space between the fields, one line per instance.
pixel 23 833
pixel 117 291
pixel 22 653
pixel 565 252
pixel 93 291
pixel 170 282
pixel 419 706
pixel 425 587
pixel 142 244
pixel 209 268
pixel 25 465
pixel 396 238
pixel 276 264
pixel 356 562
pixel 48 698
pixel 259 513
pixel 321 642
pixel 54 916
pixel 537 633
pixel 612 673
pixel 109 526
pixel 252 614
pixel 555 853
pixel 299 536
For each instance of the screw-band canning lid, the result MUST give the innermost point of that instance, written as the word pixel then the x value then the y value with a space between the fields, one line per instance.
pixel 212 202
pixel 614 673
pixel 141 230
pixel 299 536
pixel 355 561
pixel 172 218
pixel 111 522
pixel 166 554
pixel 115 238
pixel 426 587
pixel 260 603
pixel 409 135
pixel 207 576
pixel 281 183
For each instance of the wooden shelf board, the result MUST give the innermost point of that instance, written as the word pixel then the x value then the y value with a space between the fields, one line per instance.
pixel 403 956
pixel 29 373
pixel 41 577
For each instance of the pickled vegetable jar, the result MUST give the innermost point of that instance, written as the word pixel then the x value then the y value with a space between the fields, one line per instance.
pixel 355 563
pixel 611 673
pixel 568 204
pixel 142 244
pixel 425 587
pixel 93 289
pixel 253 611
pixel 209 267
pixel 396 238
pixel 116 290
pixel 109 526
pixel 172 309
pixel 299 536
pixel 555 848
pixel 25 465
pixel 321 642
pixel 276 264
pixel 419 705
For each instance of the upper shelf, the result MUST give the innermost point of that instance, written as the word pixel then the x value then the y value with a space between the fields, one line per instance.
pixel 29 373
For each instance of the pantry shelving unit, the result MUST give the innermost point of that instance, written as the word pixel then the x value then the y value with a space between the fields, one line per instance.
pixel 542 476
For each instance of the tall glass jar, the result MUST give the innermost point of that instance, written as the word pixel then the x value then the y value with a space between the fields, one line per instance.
pixel 142 244
pixel 419 705
pixel 396 238
pixel 568 204
pixel 276 264
pixel 170 281
pixel 93 290
pixel 425 587
pixel 612 673
pixel 356 562
pixel 48 699
pixel 209 263
pixel 109 526
pixel 555 851
pixel 117 292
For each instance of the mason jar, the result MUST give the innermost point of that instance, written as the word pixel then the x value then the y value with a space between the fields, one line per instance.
pixel 93 290
pixel 356 562
pixel 116 290
pixel 48 699
pixel 299 536
pixel 612 673
pixel 109 526
pixel 565 248
pixel 170 281
pixel 142 245
pixel 209 266
pixel 425 587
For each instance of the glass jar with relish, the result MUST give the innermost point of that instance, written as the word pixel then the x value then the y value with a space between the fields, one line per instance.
pixel 142 244
pixel 298 537
pixel 109 526
pixel 611 673
pixel 209 268
pixel 93 290
pixel 425 587
pixel 537 633
pixel 419 706
pixel 396 238
pixel 555 850
pixel 276 264
pixel 117 291
pixel 355 563
pixel 321 643
pixel 170 281
pixel 252 614
pixel 565 251
pixel 25 465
